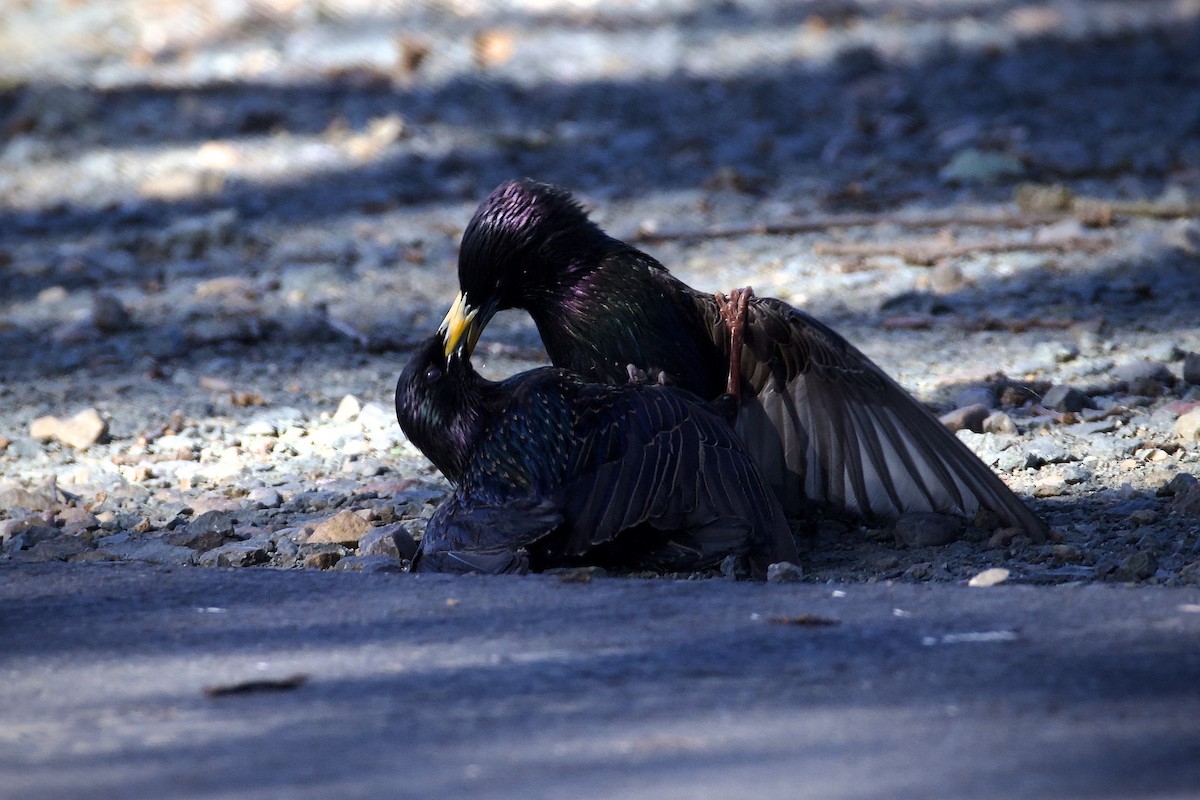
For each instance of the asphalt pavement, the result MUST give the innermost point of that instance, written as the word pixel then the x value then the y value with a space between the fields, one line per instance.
pixel 128 681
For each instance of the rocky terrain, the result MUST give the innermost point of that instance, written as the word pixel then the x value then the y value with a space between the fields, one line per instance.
pixel 220 233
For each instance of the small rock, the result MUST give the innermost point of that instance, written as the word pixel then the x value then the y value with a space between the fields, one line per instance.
pixel 1144 516
pixel 381 541
pixel 260 427
pixel 1191 368
pixel 344 528
pixel 1147 378
pixel 373 416
pixel 240 554
pixel 108 314
pixel 1191 572
pixel 41 498
pixel 946 277
pixel 1003 537
pixel 1187 502
pixel 368 564
pixel 323 559
pixel 152 551
pixel 1000 423
pixel 972 166
pixel 80 431
pixel 736 567
pixel 348 409
pixel 925 529
pixel 968 418
pixel 1138 567
pixel 1044 450
pixel 264 497
pixel 10 528
pixel 1075 474
pixel 29 537
pixel 58 548
pixel 989 577
pixel 784 572
pixel 73 520
pixel 1066 398
pixel 1065 554
pixel 1187 427
pixel 1050 486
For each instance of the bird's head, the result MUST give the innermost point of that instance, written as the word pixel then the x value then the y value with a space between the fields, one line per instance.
pixel 438 406
pixel 522 240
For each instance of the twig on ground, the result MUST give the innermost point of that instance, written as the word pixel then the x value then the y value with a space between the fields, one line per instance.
pixel 929 252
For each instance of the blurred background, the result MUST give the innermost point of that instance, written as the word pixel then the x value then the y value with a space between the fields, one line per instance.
pixel 282 184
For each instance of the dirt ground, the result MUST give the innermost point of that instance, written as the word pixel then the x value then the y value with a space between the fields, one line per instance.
pixel 218 223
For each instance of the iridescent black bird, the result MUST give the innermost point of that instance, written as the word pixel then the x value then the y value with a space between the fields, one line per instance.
pixel 824 423
pixel 549 470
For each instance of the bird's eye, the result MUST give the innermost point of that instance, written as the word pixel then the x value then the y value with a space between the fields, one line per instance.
pixel 433 374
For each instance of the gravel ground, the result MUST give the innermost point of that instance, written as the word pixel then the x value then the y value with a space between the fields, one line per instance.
pixel 221 231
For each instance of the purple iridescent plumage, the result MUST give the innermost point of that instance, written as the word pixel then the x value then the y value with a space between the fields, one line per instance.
pixel 825 424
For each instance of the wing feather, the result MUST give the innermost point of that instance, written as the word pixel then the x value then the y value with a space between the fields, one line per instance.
pixel 826 425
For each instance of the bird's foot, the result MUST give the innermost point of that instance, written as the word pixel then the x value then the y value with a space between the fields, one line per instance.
pixel 636 375
pixel 733 314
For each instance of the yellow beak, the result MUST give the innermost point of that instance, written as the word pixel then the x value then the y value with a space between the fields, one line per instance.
pixel 458 326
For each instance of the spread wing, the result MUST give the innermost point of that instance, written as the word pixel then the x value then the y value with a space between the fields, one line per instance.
pixel 826 424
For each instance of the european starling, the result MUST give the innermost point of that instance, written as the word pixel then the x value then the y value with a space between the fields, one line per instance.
pixel 550 470
pixel 824 423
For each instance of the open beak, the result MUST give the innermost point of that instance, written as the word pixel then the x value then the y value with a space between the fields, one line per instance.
pixel 462 326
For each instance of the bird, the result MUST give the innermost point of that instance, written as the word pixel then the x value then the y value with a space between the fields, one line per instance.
pixel 828 428
pixel 551 470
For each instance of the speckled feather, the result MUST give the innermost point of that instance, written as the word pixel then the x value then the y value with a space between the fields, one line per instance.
pixel 824 423
pixel 566 470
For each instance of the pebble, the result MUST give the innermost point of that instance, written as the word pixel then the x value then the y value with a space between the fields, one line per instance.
pixel 80 431
pixel 237 554
pixel 1187 502
pixel 1065 554
pixel 153 551
pixel 322 559
pixel 348 409
pixel 973 166
pixel 108 314
pixel 1187 427
pixel 264 497
pixel 1191 368
pixel 344 528
pixel 39 499
pixel 1050 486
pixel 30 536
pixel 1137 567
pixel 56 548
pixel 784 572
pixel 74 521
pixel 735 567
pixel 1066 398
pixel 925 529
pixel 368 564
pixel 382 541
pixel 989 577
pixel 1045 450
pixel 1148 378
pixel 1000 423
pixel 967 418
